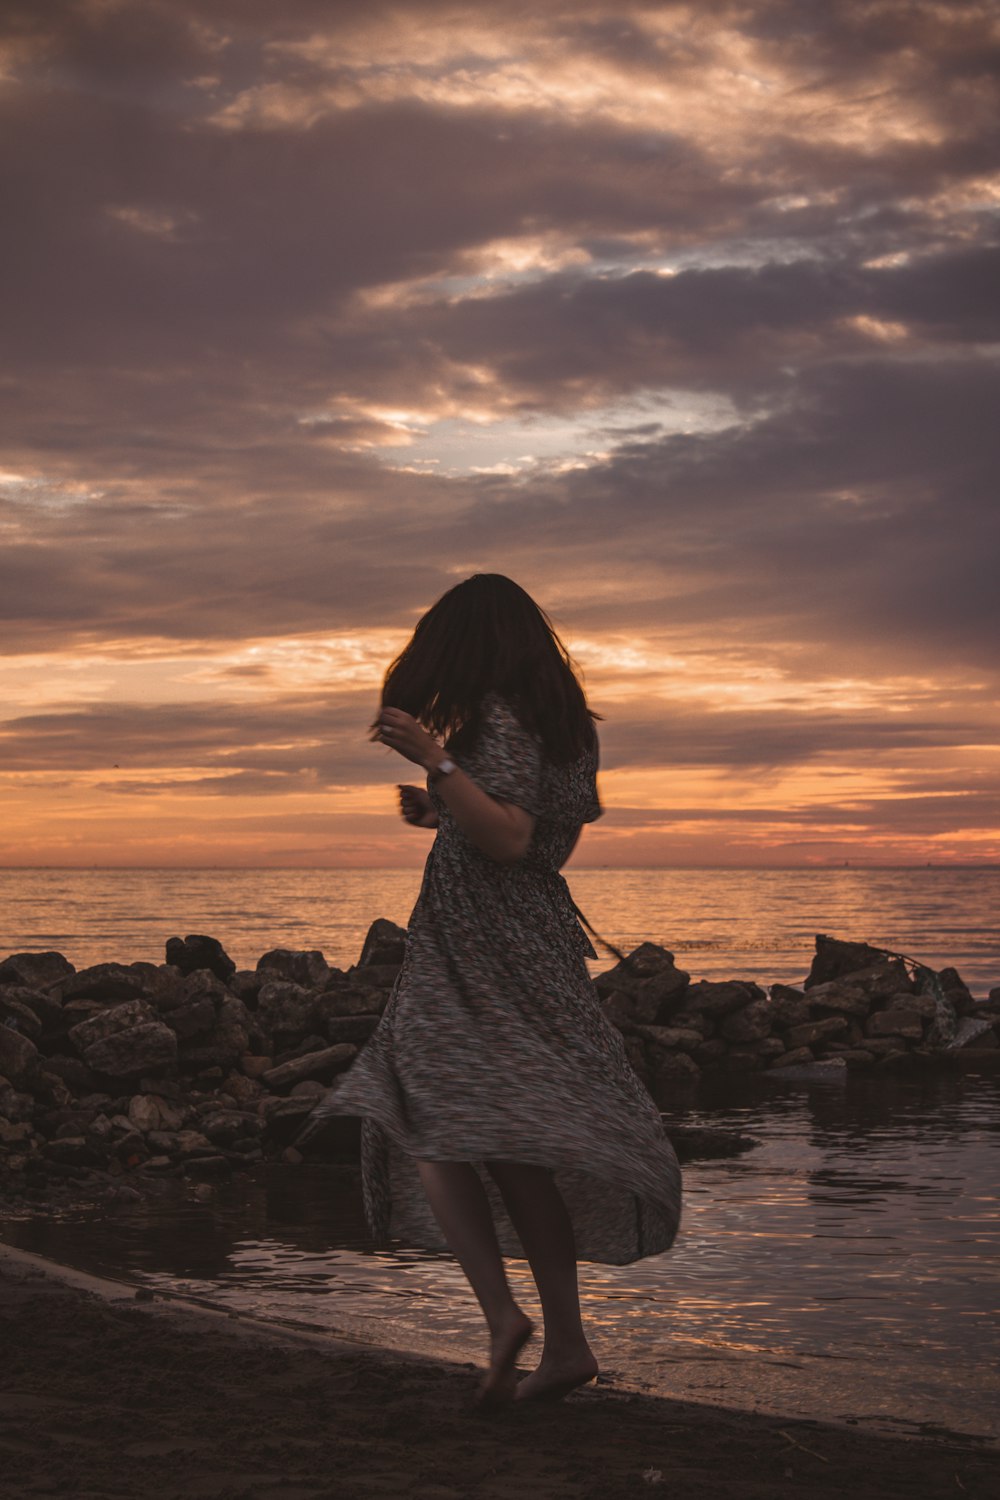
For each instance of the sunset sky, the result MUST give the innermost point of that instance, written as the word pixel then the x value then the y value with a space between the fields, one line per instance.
pixel 685 316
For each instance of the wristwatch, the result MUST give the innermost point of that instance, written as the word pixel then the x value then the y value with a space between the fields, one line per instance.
pixel 443 768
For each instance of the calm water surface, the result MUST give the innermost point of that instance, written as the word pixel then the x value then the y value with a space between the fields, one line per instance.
pixel 721 924
pixel 847 1267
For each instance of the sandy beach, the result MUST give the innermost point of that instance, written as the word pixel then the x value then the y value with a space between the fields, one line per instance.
pixel 106 1394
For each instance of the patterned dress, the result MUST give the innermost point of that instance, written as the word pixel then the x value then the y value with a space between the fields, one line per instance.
pixel 493 1044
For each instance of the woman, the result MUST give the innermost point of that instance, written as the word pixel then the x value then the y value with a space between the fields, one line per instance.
pixel 500 1109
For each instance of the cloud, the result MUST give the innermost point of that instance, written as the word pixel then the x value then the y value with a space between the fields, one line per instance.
pixel 686 316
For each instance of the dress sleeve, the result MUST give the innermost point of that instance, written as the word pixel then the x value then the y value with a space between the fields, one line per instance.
pixel 507 760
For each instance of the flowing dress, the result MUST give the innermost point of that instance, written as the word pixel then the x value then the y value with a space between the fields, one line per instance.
pixel 493 1044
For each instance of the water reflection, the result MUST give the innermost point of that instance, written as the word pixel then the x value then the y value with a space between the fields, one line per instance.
pixel 846 1266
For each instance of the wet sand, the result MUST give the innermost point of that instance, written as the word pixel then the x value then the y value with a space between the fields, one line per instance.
pixel 107 1395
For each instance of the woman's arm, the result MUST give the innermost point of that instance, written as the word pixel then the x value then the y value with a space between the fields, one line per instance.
pixel 501 830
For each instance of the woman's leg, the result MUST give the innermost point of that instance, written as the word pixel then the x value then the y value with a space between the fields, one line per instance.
pixel 543 1224
pixel 461 1207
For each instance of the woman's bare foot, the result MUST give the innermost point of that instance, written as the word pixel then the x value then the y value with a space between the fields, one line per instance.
pixel 556 1377
pixel 506 1342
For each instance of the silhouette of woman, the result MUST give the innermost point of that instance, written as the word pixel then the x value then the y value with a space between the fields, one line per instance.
pixel 500 1112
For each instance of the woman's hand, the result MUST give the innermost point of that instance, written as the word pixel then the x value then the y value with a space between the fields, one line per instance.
pixel 401 732
pixel 417 808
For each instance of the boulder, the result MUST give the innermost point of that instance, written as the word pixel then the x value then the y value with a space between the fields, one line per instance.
pixel 246 985
pixel 286 1117
pixel 971 1030
pixel 18 1056
pixel 322 1065
pixel 110 1020
pixel 671 1070
pixel 191 1019
pixel 287 1011
pixel 353 1000
pixel 721 999
pixel 197 951
pixel 152 1112
pixel 644 962
pixel 111 983
pixel 18 1016
pixel 78 1078
pixel 751 1024
pixel 46 1007
pixel 14 1103
pixel 385 943
pixel 224 1127
pixel 630 1007
pixel 815 1031
pixel 145 1048
pixel 674 1037
pixel 710 1051
pixel 356 1029
pixel 36 971
pixel 307 968
pixel 908 1023
pixel 225 1043
pixel 841 997
pixel 834 959
pixel 789 1007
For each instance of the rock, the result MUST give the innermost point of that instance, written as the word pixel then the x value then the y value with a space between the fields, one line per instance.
pixel 226 1042
pixel 14 1104
pixel 286 1011
pixel 970 1029
pixel 309 1087
pixel 675 1037
pixel 671 1070
pixel 307 968
pixel 109 1021
pixel 151 1112
pixel 108 983
pixel 36 971
pixel 372 977
pixel 74 1151
pixel 687 1021
pixel 286 1117
pixel 908 1023
pixel 630 1007
pixel 291 1156
pixel 721 999
pixel 206 1167
pixel 15 1135
pixel 127 1054
pixel 815 1031
pixel 18 1016
pixel 197 951
pixel 192 1019
pixel 255 1067
pixel 789 1007
pixel 923 1005
pixel 751 1024
pixel 321 1065
pixel 46 1009
pixel 829 1070
pixel 246 985
pixel 710 1051
pixel 834 959
pixel 356 1029
pixel 840 996
pixel 353 1000
pixel 857 1057
pixel 225 1126
pixel 889 977
pixel 179 1142
pixel 18 1056
pixel 385 943
pixel 240 1088
pixel 644 962
pixel 768 1047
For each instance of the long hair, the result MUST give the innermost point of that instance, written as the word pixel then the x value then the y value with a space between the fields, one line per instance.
pixel 487 634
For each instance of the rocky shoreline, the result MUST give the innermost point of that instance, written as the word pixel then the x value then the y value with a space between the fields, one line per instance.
pixel 117 1075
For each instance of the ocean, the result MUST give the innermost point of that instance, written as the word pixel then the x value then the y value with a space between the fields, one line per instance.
pixel 719 923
